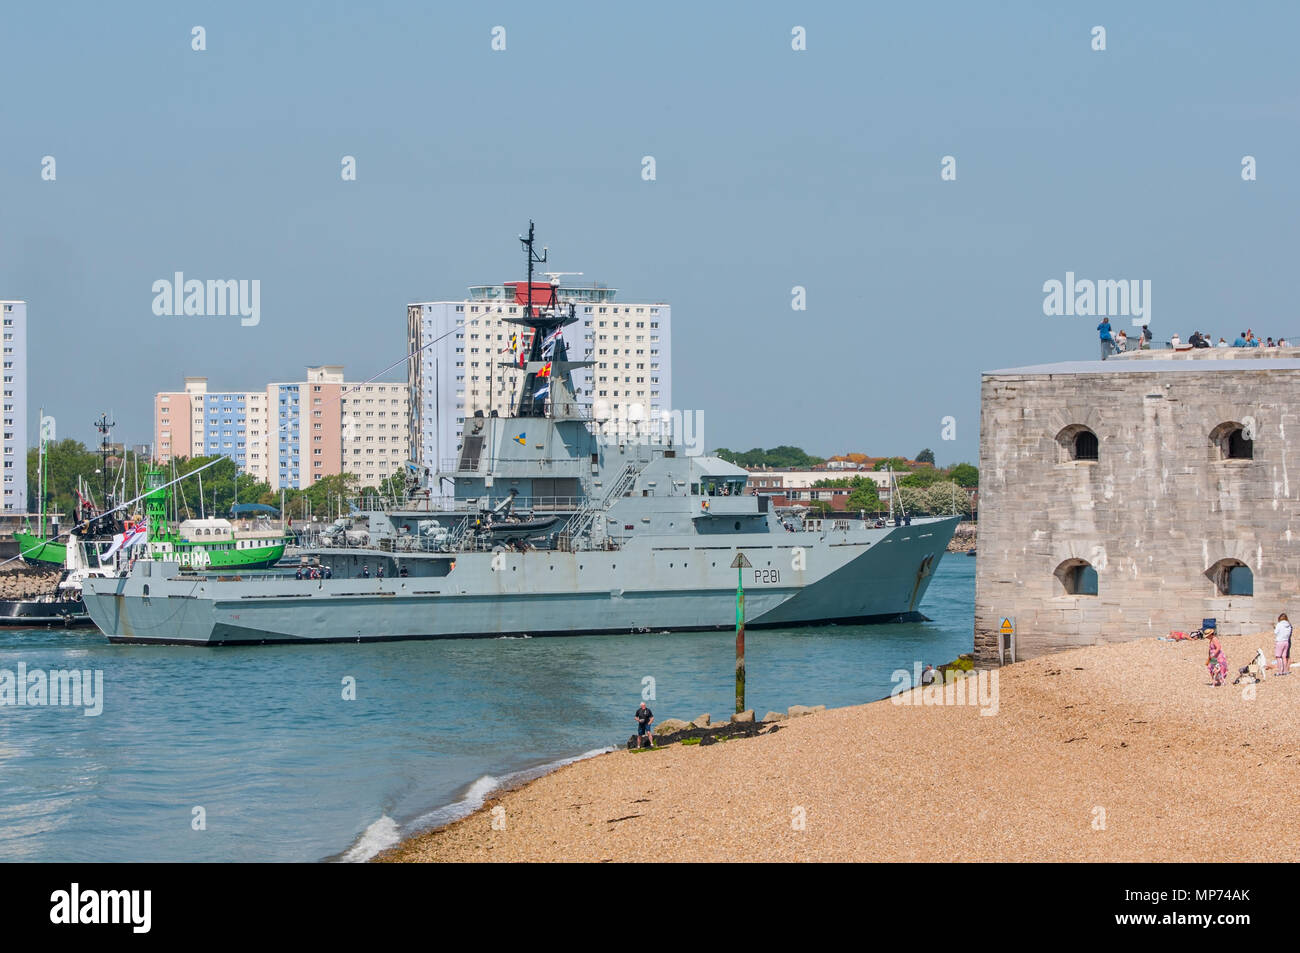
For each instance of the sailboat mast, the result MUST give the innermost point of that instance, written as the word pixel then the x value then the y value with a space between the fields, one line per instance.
pixel 40 472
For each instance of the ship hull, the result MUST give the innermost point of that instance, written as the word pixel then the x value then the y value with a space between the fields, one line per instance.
pixel 27 614
pixel 35 549
pixel 795 580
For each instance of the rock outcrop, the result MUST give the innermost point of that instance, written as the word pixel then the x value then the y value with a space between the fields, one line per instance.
pixel 27 582
pixel 797 710
pixel 670 725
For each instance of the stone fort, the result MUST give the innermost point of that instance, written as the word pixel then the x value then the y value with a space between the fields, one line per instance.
pixel 1121 499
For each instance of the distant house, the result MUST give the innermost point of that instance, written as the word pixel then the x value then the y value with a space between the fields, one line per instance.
pixel 790 486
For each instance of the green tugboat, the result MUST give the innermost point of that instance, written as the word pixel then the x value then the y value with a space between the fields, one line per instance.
pixel 252 543
pixel 249 543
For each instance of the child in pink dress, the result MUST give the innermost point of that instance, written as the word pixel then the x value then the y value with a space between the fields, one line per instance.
pixel 1217 663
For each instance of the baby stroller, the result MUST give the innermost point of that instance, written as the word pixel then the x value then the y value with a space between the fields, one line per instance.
pixel 1255 672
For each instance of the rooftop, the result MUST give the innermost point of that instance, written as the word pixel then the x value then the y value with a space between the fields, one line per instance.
pixel 1121 366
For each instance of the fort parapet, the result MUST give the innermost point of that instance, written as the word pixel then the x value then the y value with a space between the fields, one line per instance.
pixel 1124 498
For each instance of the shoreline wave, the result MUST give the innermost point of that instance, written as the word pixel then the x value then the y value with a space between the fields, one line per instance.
pixel 384 832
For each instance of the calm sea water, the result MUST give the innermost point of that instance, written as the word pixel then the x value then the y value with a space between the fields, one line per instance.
pixel 285 769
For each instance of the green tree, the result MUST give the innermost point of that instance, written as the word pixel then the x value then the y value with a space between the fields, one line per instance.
pixel 783 456
pixel 66 460
pixel 821 507
pixel 391 487
pixel 926 476
pixel 963 474
pixel 937 499
pixel 866 497
pixel 911 499
pixel 943 499
pixel 893 463
pixel 926 456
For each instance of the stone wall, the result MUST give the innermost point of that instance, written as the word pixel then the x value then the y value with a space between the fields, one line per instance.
pixel 1153 514
pixel 1209 354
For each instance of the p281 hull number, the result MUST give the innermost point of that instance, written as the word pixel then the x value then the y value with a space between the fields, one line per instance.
pixel 767 575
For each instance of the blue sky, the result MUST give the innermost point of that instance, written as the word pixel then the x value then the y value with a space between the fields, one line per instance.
pixel 775 168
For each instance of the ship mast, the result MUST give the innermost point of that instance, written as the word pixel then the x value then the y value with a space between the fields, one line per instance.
pixel 547 378
pixel 104 426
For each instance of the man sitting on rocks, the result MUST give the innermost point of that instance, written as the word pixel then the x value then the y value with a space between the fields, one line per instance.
pixel 644 719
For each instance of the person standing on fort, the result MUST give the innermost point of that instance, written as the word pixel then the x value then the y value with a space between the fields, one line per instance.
pixel 1107 345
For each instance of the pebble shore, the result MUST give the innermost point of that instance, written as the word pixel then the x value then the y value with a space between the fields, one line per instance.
pixel 1122 752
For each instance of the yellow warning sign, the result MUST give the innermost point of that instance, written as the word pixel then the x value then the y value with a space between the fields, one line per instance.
pixel 1008 627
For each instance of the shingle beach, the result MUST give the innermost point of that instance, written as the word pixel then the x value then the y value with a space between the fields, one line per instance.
pixel 1121 752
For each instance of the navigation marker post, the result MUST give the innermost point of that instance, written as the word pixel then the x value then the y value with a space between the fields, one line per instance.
pixel 740 564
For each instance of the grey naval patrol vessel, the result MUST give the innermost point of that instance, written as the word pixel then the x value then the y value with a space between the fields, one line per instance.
pixel 560 524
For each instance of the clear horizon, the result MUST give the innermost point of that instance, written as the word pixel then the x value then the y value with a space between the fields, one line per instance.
pixel 774 169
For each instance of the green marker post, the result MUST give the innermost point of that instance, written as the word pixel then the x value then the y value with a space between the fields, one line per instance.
pixel 740 564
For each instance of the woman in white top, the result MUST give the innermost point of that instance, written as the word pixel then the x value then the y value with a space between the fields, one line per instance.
pixel 1282 645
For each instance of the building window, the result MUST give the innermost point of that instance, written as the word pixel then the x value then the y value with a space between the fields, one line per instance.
pixel 1078 577
pixel 1231 442
pixel 1078 443
pixel 1232 577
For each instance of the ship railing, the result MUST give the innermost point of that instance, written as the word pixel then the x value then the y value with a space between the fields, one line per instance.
pixel 835 525
pixel 435 505
pixel 457 534
pixel 583 521
pixel 549 504
pixel 566 466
